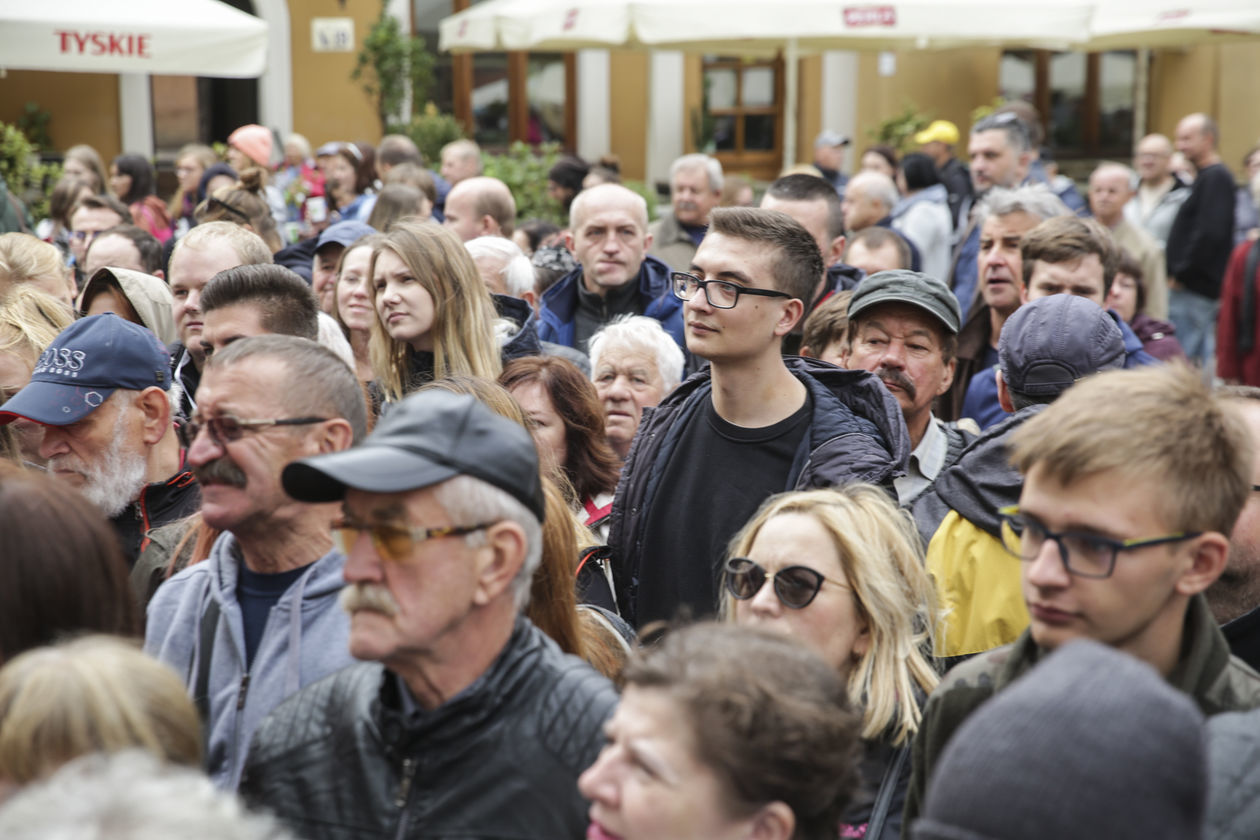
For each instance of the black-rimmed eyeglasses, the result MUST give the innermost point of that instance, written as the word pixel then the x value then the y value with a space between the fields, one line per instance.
pixel 719 293
pixel 1083 555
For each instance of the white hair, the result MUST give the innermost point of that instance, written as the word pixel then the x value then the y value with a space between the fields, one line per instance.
pixel 331 336
pixel 1033 199
pixel 712 168
pixel 469 501
pixel 130 796
pixel 517 271
pixel 640 334
pixel 877 186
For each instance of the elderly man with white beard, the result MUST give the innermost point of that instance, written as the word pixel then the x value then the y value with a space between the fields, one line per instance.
pixel 101 393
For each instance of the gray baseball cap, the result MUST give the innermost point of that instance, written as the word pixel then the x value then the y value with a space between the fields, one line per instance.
pixel 1051 342
pixel 830 138
pixel 427 438
pixel 909 287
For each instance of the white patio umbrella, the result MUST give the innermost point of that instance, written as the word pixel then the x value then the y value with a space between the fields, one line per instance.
pixel 182 37
pixel 760 28
pixel 1145 24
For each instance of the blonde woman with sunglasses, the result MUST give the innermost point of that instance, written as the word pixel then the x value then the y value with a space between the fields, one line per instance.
pixel 841 571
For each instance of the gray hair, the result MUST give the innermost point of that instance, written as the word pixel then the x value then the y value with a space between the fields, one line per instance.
pixel 876 185
pixel 130 796
pixel 320 382
pixel 334 338
pixel 638 333
pixel 712 168
pixel 1111 167
pixel 468 500
pixel 517 271
pixel 1009 124
pixel 1033 199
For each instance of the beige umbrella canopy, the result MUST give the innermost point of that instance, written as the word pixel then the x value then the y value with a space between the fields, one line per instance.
pixel 759 28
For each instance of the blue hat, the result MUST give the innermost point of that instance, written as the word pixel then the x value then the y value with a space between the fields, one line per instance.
pixel 86 363
pixel 344 234
pixel 1051 342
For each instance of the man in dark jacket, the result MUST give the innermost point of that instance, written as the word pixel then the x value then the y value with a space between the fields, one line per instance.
pixel 100 392
pixel 1235 597
pixel 1133 480
pixel 465 720
pixel 608 233
pixel 752 425
pixel 1200 241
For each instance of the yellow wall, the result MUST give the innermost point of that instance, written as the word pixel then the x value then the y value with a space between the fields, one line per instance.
pixel 628 93
pixel 327 105
pixel 84 107
pixel 946 84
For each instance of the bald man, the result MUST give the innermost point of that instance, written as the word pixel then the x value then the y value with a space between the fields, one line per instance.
pixel 1160 191
pixel 1111 187
pixel 608 235
pixel 480 206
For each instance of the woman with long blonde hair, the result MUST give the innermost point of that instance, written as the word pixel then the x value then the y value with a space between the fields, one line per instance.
pixel 841 570
pixel 434 315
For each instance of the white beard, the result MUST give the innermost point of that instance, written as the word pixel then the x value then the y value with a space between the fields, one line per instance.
pixel 116 479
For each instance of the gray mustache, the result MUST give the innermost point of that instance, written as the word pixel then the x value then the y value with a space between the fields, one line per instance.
pixel 368 596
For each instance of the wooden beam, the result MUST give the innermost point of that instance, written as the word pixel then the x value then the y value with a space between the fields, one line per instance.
pixel 518 96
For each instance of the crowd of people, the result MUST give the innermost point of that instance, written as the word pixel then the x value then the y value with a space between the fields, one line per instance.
pixel 338 502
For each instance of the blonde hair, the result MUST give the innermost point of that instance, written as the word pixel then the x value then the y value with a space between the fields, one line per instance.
pixel 1157 424
pixel 205 156
pixel 92 694
pixel 26 259
pixel 29 321
pixel 463 313
pixel 882 559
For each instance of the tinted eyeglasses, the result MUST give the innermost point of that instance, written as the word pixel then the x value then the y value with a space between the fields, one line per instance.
pixel 225 428
pixel 394 542
pixel 1083 555
pixel 719 293
pixel 795 586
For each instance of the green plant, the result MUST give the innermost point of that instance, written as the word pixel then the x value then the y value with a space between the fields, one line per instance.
pixel 524 169
pixel 26 175
pixel 898 130
pixel 392 68
pixel 430 130
pixel 34 124
pixel 980 112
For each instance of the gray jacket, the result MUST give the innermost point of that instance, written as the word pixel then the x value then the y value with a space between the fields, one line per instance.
pixel 305 640
pixel 1233 811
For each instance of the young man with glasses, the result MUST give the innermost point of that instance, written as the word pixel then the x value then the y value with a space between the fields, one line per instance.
pixel 258 619
pixel 753 424
pixel 462 719
pixel 1133 480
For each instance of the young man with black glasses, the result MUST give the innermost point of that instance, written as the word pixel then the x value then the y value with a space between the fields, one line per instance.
pixel 1133 480
pixel 752 424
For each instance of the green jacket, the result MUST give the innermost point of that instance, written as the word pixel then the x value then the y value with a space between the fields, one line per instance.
pixel 670 243
pixel 1206 671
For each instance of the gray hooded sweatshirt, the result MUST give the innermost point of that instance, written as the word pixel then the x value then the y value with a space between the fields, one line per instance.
pixel 306 639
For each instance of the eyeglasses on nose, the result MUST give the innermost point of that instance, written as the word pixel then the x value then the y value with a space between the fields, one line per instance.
pixel 795 586
pixel 1083 555
pixel 391 541
pixel 719 293
pixel 224 428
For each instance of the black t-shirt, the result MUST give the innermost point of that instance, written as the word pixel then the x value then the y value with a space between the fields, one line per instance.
pixel 257 593
pixel 717 477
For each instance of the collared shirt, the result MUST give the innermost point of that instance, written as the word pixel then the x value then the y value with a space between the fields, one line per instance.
pixel 926 462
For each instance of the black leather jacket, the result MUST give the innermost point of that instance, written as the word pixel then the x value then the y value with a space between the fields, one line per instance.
pixel 343 758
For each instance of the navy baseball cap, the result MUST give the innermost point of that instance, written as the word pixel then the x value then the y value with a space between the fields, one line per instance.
pixel 84 365
pixel 427 438
pixel 344 234
pixel 1051 342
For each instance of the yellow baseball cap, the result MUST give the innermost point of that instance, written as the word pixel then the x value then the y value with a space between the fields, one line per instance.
pixel 940 131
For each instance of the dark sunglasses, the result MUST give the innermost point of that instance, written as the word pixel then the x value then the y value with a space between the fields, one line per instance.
pixel 795 586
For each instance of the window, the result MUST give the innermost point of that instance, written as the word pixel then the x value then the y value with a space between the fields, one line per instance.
pixel 743 101
pixel 1085 99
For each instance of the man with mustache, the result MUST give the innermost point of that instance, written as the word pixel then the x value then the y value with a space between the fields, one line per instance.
pixel 258 619
pixel 100 392
pixel 464 719
pixel 695 187
pixel 608 235
pixel 903 327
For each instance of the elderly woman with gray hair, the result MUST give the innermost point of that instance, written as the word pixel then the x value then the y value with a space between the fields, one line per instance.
pixel 635 364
